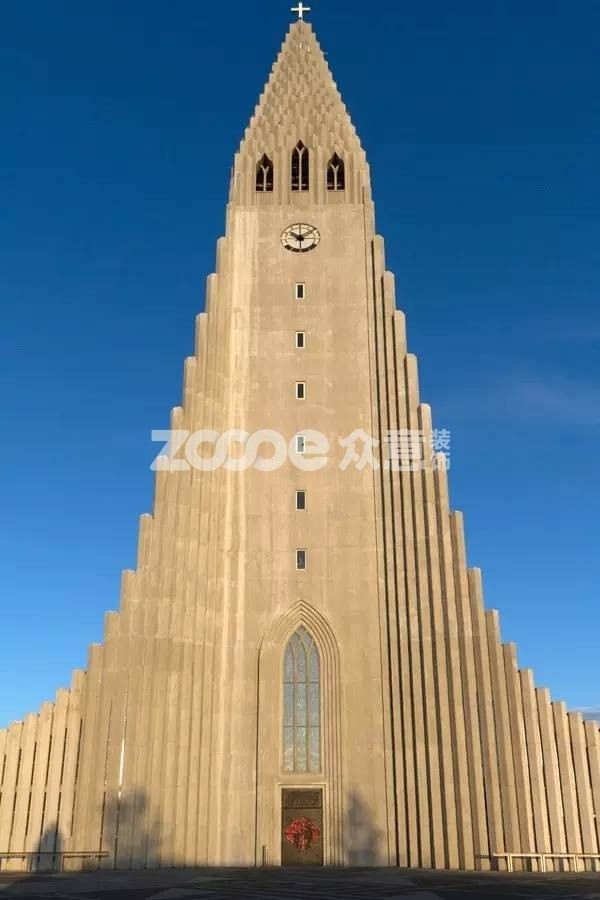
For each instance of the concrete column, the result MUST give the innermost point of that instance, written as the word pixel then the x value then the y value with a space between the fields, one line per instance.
pixel 592 734
pixel 392 588
pixel 420 848
pixel 567 777
pixel 585 800
pixel 9 783
pixel 536 762
pixel 85 798
pixel 450 633
pixel 556 814
pixel 428 686
pixel 71 757
pixel 118 667
pixel 176 750
pixel 519 745
pixel 445 710
pixel 195 646
pixel 486 715
pixel 162 582
pixel 52 834
pixel 501 716
pixel 23 791
pixel 39 778
pixel 481 845
pixel 400 688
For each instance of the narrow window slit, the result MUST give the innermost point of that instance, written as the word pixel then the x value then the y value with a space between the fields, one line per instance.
pixel 264 175
pixel 336 174
pixel 300 167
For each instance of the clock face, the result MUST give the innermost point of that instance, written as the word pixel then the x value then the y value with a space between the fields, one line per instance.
pixel 300 238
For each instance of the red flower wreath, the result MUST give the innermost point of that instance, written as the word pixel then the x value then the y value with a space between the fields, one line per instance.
pixel 302 833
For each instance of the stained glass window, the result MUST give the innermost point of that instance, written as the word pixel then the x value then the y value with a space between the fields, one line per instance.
pixel 301 704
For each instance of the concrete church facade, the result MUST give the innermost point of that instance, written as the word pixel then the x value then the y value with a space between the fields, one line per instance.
pixel 302 669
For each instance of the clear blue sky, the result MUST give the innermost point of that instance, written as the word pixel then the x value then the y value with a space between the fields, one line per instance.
pixel 119 123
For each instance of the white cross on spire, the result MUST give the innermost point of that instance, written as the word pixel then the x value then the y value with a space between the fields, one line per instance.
pixel 300 9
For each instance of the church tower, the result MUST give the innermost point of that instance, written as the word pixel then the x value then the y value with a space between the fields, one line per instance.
pixel 301 668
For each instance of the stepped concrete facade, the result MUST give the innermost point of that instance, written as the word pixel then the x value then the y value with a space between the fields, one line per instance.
pixel 301 667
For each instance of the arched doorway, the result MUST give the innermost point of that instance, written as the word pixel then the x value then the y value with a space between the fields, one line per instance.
pixel 299 759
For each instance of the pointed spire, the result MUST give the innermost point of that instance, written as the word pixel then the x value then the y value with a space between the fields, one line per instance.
pixel 300 102
pixel 301 89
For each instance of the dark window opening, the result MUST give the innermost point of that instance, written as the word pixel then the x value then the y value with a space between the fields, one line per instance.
pixel 301 560
pixel 264 174
pixel 336 174
pixel 300 168
pixel 300 499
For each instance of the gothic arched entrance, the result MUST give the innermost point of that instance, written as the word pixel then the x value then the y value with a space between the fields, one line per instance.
pixel 298 777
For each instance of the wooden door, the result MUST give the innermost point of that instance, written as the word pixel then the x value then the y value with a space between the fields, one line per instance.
pixel 301 827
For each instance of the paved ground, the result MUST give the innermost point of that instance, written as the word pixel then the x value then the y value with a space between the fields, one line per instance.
pixel 299 884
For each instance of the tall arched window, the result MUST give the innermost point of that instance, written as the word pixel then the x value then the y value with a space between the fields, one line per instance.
pixel 336 175
pixel 300 167
pixel 301 704
pixel 264 174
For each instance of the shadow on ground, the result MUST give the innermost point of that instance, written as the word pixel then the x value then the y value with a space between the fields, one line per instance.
pixel 300 884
